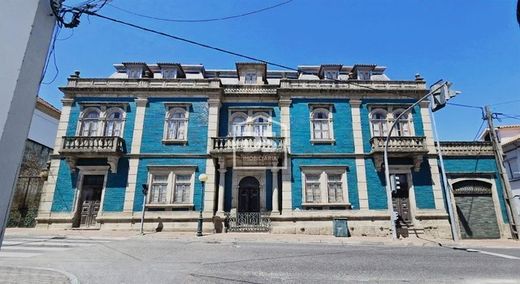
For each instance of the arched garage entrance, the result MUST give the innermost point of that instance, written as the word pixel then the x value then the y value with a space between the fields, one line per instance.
pixel 476 210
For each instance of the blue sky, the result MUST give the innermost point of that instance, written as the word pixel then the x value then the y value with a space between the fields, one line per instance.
pixel 475 44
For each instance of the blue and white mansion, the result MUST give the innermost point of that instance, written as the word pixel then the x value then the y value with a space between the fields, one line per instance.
pixel 284 151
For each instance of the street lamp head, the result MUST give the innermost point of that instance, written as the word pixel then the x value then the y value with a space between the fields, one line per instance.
pixel 203 178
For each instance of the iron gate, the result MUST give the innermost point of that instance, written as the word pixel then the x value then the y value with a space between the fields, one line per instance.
pixel 248 222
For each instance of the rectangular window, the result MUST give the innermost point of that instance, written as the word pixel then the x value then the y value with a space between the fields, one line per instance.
pixel 159 188
pixel 173 188
pixel 331 75
pixel 250 78
pixel 335 188
pixel 325 188
pixel 364 75
pixel 182 189
pixel 312 189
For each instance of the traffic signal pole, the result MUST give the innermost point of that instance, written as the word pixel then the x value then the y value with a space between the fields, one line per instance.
pixel 389 188
pixel 506 187
pixel 447 189
pixel 26 29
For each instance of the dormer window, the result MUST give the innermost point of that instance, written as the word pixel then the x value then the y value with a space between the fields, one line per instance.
pixel 169 73
pixel 331 75
pixel 134 72
pixel 250 78
pixel 364 75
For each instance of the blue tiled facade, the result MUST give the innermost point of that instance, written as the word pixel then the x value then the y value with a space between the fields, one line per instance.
pixel 349 162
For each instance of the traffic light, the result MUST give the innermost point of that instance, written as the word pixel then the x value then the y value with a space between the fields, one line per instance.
pixel 396 183
pixel 145 188
pixel 442 93
pixel 395 215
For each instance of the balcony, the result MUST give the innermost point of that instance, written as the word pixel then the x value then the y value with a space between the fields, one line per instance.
pixel 76 147
pixel 399 147
pixel 248 144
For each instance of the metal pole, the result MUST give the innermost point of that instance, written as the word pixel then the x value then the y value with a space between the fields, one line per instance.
pixel 385 154
pixel 446 188
pixel 145 193
pixel 200 220
pixel 499 158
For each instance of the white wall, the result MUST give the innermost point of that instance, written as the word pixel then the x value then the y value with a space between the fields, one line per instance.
pixel 43 128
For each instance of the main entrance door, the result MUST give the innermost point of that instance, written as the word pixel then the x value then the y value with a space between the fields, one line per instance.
pixel 249 195
pixel 89 201
pixel 401 203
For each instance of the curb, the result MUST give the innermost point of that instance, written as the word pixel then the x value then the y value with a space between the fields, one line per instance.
pixel 71 277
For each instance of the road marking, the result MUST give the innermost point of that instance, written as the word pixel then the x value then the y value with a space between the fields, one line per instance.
pixel 494 254
pixel 17 254
pixel 33 248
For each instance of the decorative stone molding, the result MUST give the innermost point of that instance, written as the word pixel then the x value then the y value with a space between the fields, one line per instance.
pixel 250 90
pixel 466 148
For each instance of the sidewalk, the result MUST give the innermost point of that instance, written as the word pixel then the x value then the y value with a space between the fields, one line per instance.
pixel 31 275
pixel 265 237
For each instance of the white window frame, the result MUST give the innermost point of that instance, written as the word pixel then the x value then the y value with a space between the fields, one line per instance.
pixel 83 119
pixel 250 77
pixel 328 110
pixel 106 120
pixel 250 116
pixel 170 111
pixel 390 116
pixel 170 189
pixel 334 74
pixel 364 75
pixel 382 123
pixel 169 73
pixel 323 173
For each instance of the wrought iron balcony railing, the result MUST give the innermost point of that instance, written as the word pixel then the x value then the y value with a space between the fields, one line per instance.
pixel 400 144
pixel 92 145
pixel 248 144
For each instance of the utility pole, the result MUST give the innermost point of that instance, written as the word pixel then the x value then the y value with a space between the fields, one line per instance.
pixel 26 29
pixel 499 158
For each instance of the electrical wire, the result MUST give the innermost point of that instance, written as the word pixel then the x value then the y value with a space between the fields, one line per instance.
pixel 51 54
pixel 479 129
pixel 506 102
pixel 200 20
pixel 214 47
pixel 463 105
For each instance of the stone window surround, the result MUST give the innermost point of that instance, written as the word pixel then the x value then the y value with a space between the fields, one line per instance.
pixel 323 171
pixel 104 111
pixel 170 108
pixel 390 110
pixel 321 107
pixel 90 170
pixel 455 178
pixel 251 115
pixel 171 172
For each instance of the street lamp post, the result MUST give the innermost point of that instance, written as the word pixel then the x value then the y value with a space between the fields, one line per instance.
pixel 202 178
pixel 389 189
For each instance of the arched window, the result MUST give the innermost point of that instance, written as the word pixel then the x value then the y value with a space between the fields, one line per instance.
pixel 176 124
pixel 90 122
pixel 378 122
pixel 114 122
pixel 321 124
pixel 402 128
pixel 238 124
pixel 261 126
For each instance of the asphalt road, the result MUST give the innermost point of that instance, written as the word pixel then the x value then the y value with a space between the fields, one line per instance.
pixel 144 260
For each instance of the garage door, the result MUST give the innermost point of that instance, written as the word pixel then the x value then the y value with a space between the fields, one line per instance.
pixel 476 210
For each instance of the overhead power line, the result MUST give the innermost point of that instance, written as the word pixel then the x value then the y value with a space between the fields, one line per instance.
pixel 199 20
pixel 466 106
pixel 204 45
